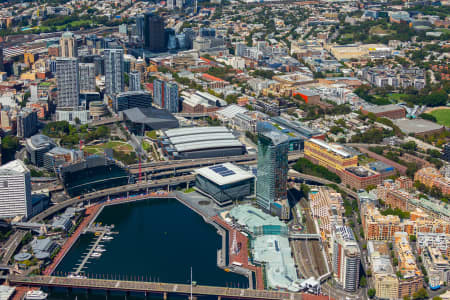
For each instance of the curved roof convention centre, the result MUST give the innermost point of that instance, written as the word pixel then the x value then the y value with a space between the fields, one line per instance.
pixel 195 130
pixel 196 142
pixel 201 137
pixel 207 145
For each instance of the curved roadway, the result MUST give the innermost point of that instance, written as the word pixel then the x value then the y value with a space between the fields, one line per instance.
pixel 307 177
pixel 111 191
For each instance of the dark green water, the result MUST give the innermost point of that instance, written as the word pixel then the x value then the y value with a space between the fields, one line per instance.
pixel 158 238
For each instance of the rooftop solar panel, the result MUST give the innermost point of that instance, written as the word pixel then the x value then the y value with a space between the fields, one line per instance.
pixel 225 174
pixel 215 167
pixel 222 170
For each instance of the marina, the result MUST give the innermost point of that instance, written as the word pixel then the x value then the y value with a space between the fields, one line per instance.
pixel 96 248
pixel 155 250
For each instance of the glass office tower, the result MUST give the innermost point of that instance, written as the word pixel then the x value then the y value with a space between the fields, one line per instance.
pixel 271 185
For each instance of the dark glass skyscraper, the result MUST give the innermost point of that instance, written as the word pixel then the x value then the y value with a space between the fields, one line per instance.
pixel 154 35
pixel 2 67
pixel 140 25
pixel 131 99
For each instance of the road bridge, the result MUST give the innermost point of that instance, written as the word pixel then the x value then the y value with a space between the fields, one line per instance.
pixel 310 178
pixel 104 121
pixel 152 287
pixel 182 165
pixel 43 179
pixel 12 244
pixel 119 190
pixel 293 155
pixel 29 225
pixel 194 115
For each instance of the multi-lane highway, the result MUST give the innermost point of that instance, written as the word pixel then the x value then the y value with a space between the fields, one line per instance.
pixel 120 190
pixel 188 165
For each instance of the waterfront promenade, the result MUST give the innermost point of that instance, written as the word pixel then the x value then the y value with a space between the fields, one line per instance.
pixel 90 213
pixel 242 256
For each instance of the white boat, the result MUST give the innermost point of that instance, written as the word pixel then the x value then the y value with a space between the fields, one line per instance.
pixel 99 249
pixel 76 276
pixel 107 238
pixel 96 254
pixel 36 295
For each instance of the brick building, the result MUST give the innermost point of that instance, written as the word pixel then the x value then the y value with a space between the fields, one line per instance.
pixel 431 177
pixel 360 177
pixel 390 111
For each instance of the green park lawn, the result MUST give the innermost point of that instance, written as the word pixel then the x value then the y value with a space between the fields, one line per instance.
pixel 74 24
pixel 397 97
pixel 442 116
pixel 151 134
pixel 115 145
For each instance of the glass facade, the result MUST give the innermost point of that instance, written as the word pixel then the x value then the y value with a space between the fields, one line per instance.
pixel 226 194
pixel 271 184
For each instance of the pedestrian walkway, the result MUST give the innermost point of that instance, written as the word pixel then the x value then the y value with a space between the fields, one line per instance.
pixel 90 213
pixel 242 255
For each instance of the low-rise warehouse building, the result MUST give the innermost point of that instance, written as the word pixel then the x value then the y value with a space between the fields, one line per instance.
pixel 225 183
pixel 418 127
pixel 391 111
pixel 201 142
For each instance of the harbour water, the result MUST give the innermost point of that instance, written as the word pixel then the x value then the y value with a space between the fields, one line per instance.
pixel 158 239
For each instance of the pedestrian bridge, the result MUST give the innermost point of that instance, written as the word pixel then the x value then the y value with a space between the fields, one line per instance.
pixel 29 225
pixel 153 287
pixel 303 236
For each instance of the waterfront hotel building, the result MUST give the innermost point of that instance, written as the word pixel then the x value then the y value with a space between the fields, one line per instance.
pixel 15 190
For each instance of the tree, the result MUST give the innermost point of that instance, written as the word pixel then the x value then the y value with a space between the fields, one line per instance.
pixel 102 131
pixel 420 294
pixel 371 293
pixel 428 117
pixel 412 238
pixel 436 98
pixel 395 261
pixel 26 96
pixel 370 187
pixel 436 192
pixel 305 189
pixel 305 166
pixel 411 146
pixel 9 146
pixel 336 129
pixel 362 281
